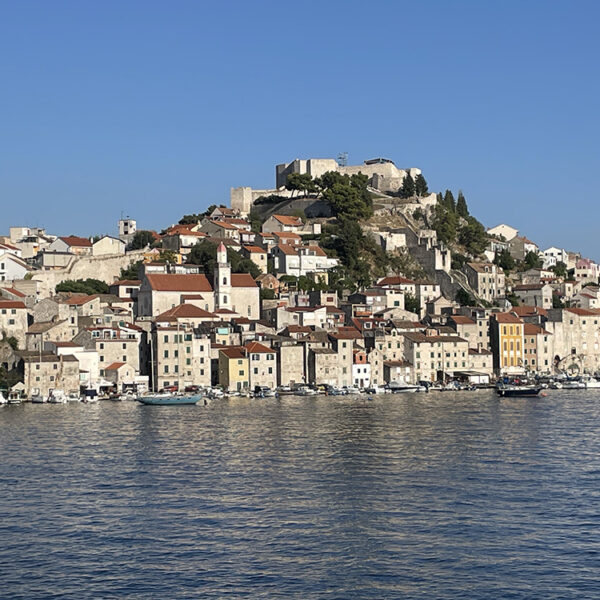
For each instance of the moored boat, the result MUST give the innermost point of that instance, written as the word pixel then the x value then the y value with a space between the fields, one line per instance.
pixel 169 399
pixel 510 390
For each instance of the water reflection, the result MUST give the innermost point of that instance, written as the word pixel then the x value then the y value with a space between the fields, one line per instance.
pixel 420 496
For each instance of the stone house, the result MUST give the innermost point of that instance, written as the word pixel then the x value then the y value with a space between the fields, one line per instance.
pixel 487 279
pixel 13 320
pixel 45 372
pixel 262 365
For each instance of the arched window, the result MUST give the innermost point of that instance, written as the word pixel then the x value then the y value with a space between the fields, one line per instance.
pixel 224 280
pixel 224 299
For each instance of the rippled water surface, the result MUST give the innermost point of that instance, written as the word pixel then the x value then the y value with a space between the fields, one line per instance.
pixel 411 496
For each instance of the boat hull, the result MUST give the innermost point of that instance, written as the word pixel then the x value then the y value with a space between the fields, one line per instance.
pixel 518 392
pixel 169 400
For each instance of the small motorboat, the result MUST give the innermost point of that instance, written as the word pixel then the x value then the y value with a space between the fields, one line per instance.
pixel 509 390
pixel 39 399
pixel 590 382
pixel 3 400
pixel 400 387
pixel 573 384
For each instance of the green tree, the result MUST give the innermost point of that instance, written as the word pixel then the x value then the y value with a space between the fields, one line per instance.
pixel 556 301
pixel 458 261
pixel 421 188
pixel 505 260
pixel 560 269
pixel 267 294
pixel 204 254
pixel 445 223
pixel 131 272
pixel 411 304
pixel 301 182
pixel 348 196
pixel 532 261
pixel 473 237
pixel 461 206
pixel 464 298
pixel 81 286
pixel 449 202
pixel 408 188
pixel 141 239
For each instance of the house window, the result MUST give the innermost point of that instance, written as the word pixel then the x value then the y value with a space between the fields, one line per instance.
pixel 241 373
pixel 270 370
pixel 124 346
pixel 166 354
pixel 166 339
pixel 124 358
pixel 256 370
pixel 101 346
pixel 102 358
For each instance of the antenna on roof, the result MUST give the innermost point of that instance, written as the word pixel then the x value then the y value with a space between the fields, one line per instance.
pixel 342 159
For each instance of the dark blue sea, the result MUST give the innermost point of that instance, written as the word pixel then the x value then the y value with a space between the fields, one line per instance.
pixel 440 495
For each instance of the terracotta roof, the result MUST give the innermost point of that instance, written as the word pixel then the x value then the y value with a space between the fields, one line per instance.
pixel 286 220
pixel 397 363
pixel 74 240
pixel 288 235
pixel 256 249
pixel 224 225
pixel 11 304
pixel 114 366
pixel 15 292
pixel 9 246
pixel 395 281
pixel 529 311
pixel 348 333
pixel 242 280
pixel 236 221
pixel 298 329
pixel 462 320
pixel 234 352
pixel 287 249
pixel 506 318
pixel 175 282
pixel 78 300
pixel 531 329
pixel 127 282
pixel 256 348
pixel 582 312
pixel 184 311
pixel 479 352
pixel 66 344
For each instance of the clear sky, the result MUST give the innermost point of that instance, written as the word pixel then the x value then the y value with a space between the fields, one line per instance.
pixel 157 108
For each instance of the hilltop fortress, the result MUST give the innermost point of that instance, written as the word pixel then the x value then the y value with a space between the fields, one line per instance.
pixel 383 175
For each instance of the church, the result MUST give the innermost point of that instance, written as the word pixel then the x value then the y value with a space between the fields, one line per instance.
pixel 229 295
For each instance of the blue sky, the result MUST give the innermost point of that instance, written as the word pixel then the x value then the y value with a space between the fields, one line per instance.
pixel 157 108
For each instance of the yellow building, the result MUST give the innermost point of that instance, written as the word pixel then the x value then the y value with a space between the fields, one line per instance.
pixel 508 342
pixel 234 369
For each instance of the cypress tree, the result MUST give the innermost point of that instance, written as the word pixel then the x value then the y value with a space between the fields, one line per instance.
pixel 461 206
pixel 449 202
pixel 408 187
pixel 421 186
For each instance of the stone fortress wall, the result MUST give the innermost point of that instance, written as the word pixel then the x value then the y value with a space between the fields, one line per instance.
pixel 383 175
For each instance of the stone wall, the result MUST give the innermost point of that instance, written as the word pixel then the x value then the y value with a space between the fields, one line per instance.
pixel 104 268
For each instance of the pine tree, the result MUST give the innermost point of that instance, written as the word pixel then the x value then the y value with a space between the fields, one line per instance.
pixel 461 206
pixel 421 186
pixel 408 187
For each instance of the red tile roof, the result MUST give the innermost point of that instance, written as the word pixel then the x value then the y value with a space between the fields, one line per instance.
pixel 256 249
pixel 256 348
pixel 291 221
pixel 185 311
pixel 130 282
pixel 175 282
pixel 11 304
pixel 242 280
pixel 74 240
pixel 395 281
pixel 234 352
pixel 529 311
pixel 506 318
pixel 114 366
pixel 15 292
pixel 462 320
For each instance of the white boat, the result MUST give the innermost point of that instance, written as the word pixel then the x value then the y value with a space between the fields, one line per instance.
pixel 573 384
pixel 590 382
pixel 57 397
pixel 399 387
pixel 351 389
pixel 376 389
pixel 305 391
pixel 3 400
pixel 38 399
